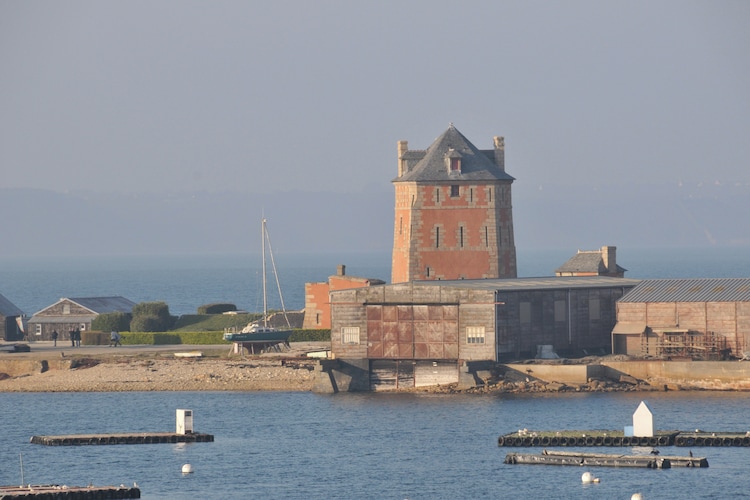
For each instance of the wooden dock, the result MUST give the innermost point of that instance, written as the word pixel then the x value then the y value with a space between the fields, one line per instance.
pixel 602 460
pixel 123 438
pixel 57 492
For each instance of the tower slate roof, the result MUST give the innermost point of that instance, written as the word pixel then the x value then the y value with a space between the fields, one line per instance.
pixel 430 166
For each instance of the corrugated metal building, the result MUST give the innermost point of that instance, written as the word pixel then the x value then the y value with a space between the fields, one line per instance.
pixel 420 332
pixel 704 318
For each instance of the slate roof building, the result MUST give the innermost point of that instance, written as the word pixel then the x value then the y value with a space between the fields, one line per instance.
pixel 70 313
pixel 707 318
pixel 601 262
pixel 453 214
pixel 11 317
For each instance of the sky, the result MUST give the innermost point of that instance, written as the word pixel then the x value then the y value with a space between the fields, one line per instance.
pixel 183 96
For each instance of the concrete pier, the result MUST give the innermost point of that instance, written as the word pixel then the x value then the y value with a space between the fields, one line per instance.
pixel 122 438
pixel 590 460
pixel 54 491
pixel 594 438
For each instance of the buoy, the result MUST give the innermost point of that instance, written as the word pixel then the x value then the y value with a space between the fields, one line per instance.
pixel 187 469
pixel 587 477
pixel 636 496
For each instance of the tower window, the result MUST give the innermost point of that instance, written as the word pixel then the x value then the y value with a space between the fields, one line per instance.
pixel 461 236
pixel 486 236
pixel 427 271
pixel 471 194
pixel 437 237
pixel 455 164
pixel 437 195
pixel 454 191
pixel 489 193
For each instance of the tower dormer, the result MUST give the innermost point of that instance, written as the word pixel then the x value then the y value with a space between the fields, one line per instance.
pixel 453 161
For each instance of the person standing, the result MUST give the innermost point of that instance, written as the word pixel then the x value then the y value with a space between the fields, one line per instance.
pixel 54 338
pixel 72 334
pixel 78 337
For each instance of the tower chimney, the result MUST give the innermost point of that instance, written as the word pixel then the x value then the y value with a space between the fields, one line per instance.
pixel 403 147
pixel 341 270
pixel 499 152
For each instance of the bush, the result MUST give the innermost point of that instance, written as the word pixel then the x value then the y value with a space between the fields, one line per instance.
pixel 159 319
pixel 216 308
pixel 310 336
pixel 147 324
pixel 107 322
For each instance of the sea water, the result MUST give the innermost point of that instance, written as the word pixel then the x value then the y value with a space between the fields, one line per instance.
pixel 352 446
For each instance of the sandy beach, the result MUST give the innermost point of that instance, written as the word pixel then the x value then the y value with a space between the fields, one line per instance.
pixel 156 368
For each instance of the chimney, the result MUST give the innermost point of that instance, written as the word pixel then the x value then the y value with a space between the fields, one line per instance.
pixel 341 270
pixel 403 147
pixel 499 152
pixel 609 257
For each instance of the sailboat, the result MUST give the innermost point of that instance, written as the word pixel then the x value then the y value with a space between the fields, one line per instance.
pixel 262 332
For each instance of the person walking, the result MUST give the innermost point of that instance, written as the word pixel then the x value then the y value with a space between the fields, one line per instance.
pixel 54 338
pixel 114 338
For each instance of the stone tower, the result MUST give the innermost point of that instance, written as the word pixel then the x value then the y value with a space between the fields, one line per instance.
pixel 454 216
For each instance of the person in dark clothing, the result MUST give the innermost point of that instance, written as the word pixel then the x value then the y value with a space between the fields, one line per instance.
pixel 78 337
pixel 72 334
pixel 54 338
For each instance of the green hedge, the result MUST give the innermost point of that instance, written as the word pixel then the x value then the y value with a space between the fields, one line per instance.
pixel 218 308
pixel 206 338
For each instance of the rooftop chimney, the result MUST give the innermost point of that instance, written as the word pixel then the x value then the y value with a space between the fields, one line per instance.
pixel 609 257
pixel 403 147
pixel 499 152
pixel 341 270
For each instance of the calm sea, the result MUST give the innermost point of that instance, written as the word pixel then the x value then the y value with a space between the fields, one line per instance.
pixel 355 446
pixel 348 446
pixel 187 282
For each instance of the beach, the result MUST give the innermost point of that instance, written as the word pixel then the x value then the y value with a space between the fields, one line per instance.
pixel 155 368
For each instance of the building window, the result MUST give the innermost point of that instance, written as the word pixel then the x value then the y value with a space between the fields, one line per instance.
pixel 38 329
pixel 560 310
pixel 66 308
pixel 427 271
pixel 594 309
pixel 471 194
pixel 83 327
pixel 437 237
pixel 454 191
pixel 486 236
pixel 455 164
pixel 317 318
pixel 489 194
pixel 437 195
pixel 475 335
pixel 350 335
pixel 461 236
pixel 400 225
pixel 525 312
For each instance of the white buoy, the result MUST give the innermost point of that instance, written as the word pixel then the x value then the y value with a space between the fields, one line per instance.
pixel 636 496
pixel 187 469
pixel 587 477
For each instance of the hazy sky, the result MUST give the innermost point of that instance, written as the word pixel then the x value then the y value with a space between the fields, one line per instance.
pixel 184 95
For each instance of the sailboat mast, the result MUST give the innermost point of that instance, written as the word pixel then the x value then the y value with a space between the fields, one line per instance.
pixel 263 243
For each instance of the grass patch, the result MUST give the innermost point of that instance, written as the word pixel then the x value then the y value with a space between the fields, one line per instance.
pixel 213 322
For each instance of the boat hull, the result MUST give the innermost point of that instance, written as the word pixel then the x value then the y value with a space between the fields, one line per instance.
pixel 274 336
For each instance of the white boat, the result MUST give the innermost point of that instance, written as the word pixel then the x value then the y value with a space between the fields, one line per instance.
pixel 262 332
